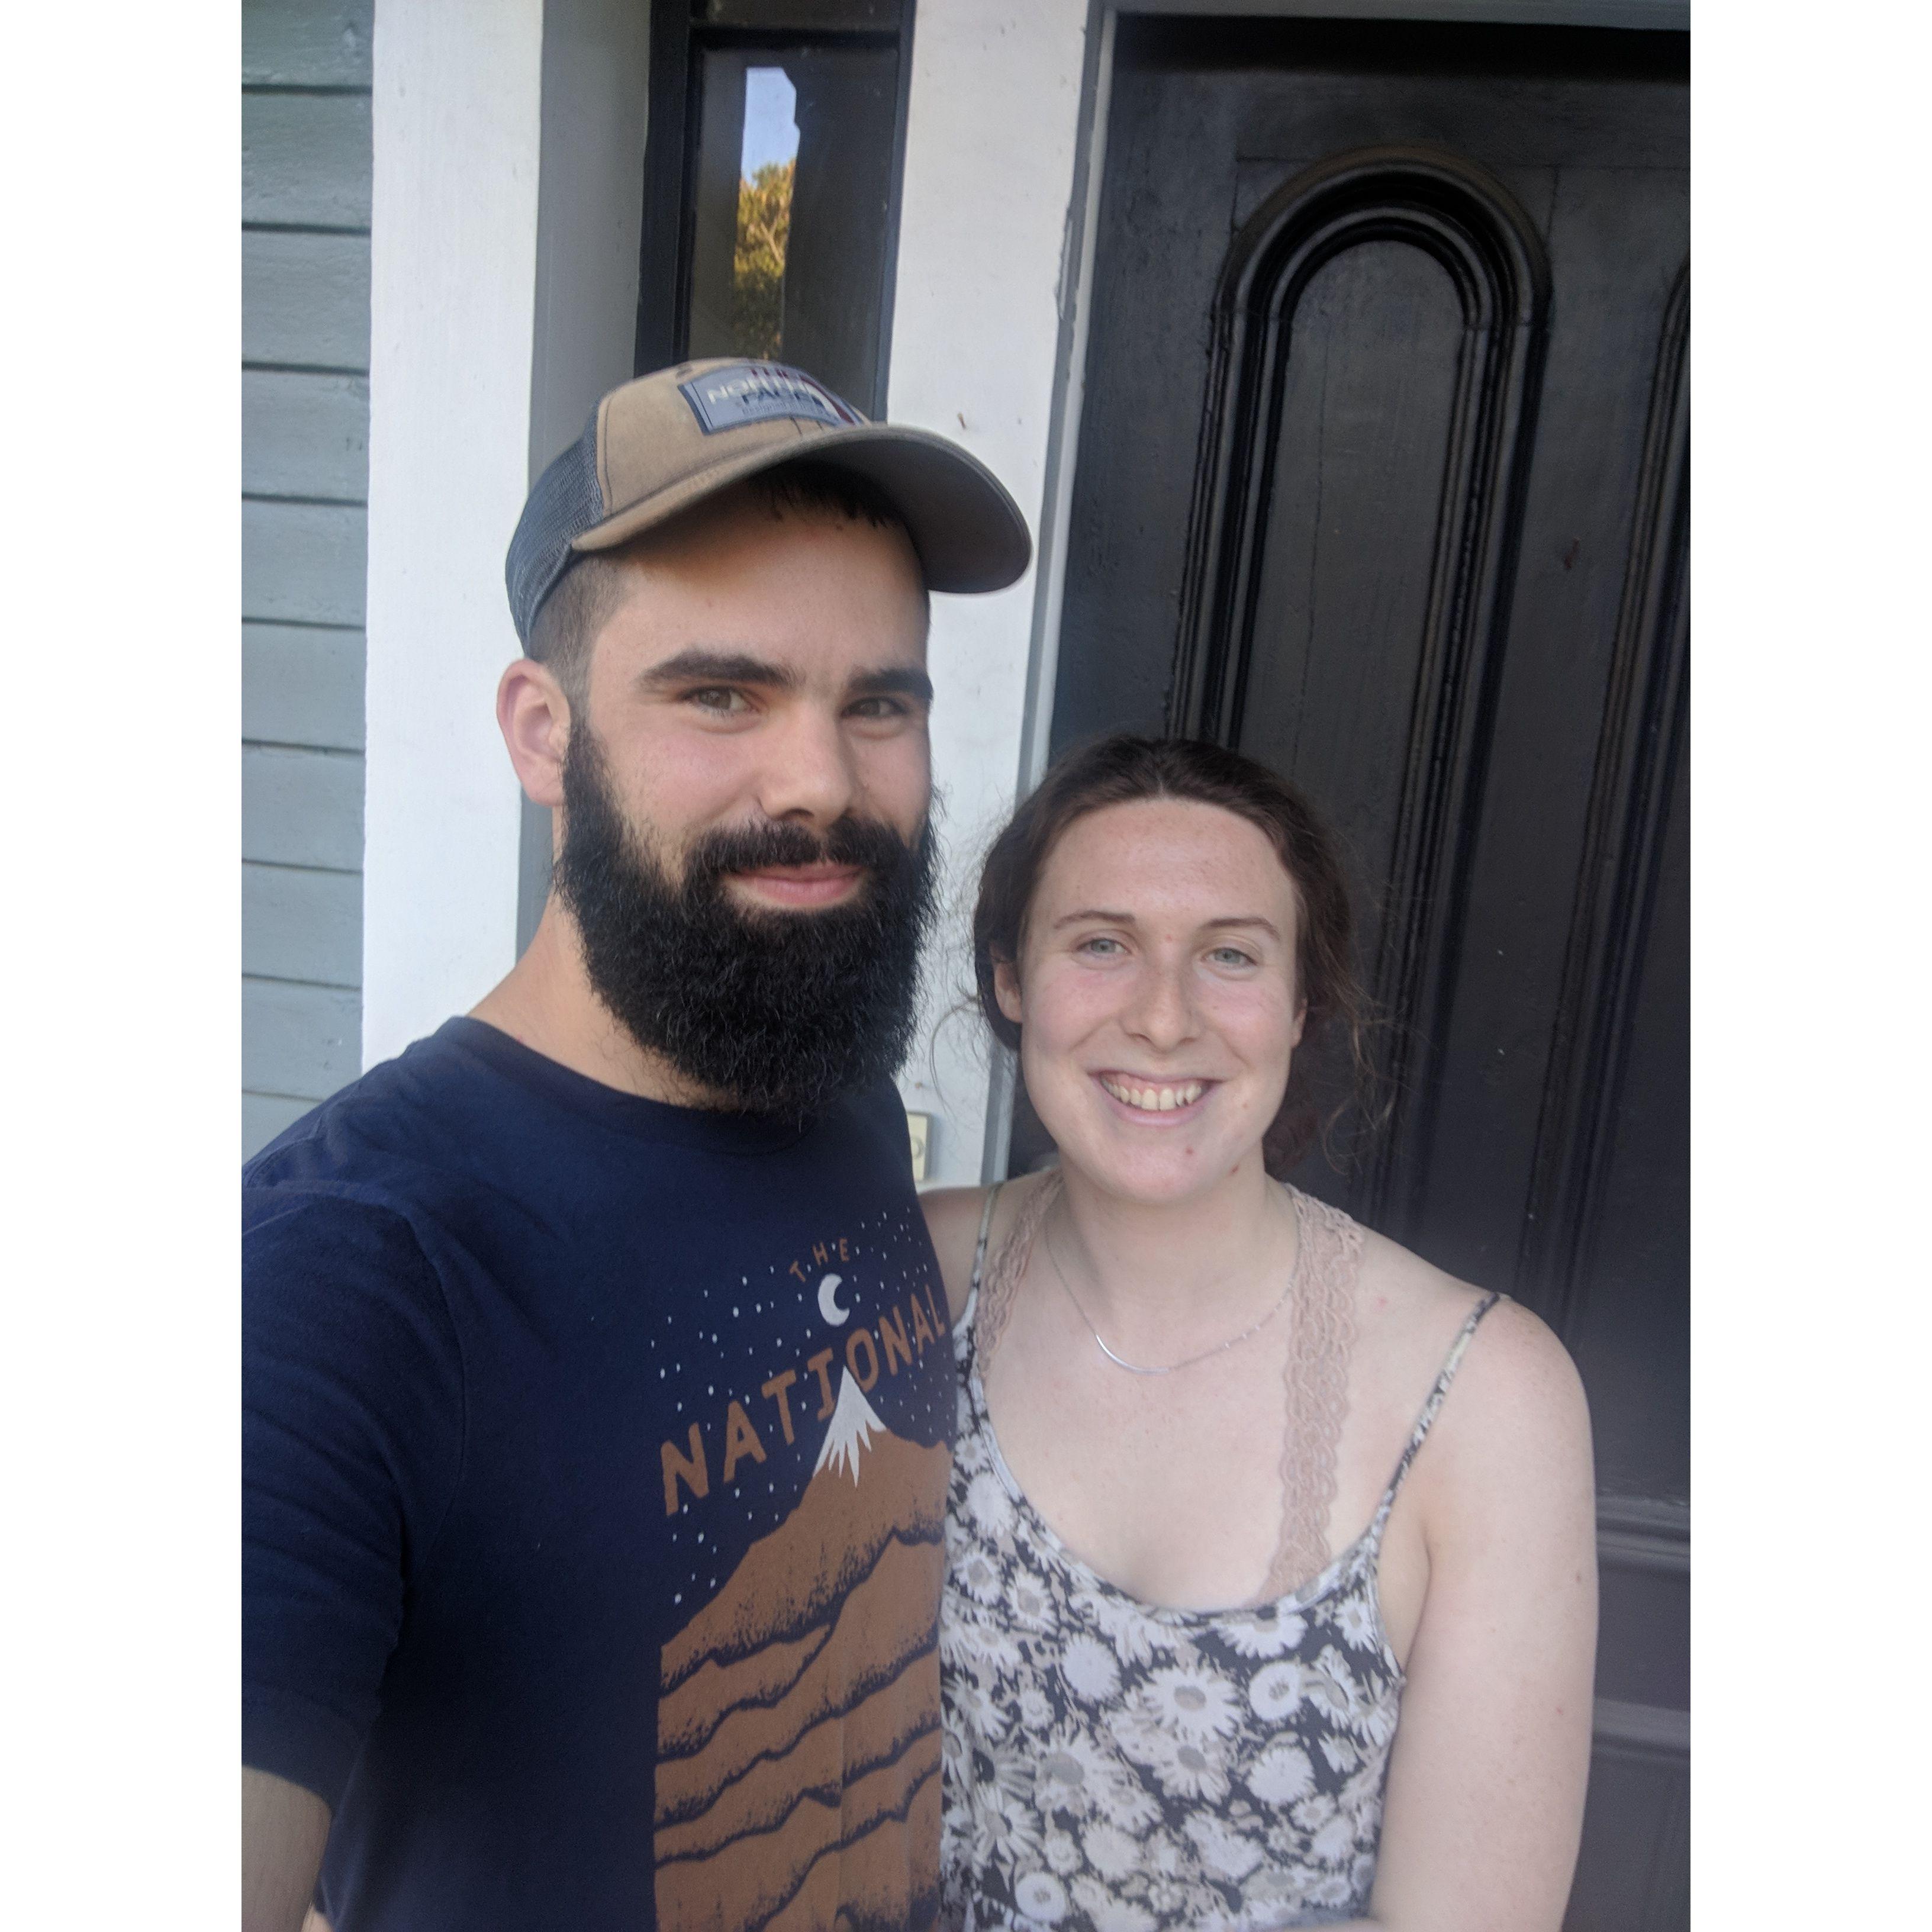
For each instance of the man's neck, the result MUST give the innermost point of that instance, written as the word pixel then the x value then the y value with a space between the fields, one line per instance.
pixel 546 1002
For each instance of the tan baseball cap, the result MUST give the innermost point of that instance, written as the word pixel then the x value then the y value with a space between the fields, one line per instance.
pixel 657 445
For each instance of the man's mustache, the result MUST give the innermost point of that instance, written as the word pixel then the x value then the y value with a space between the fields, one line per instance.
pixel 863 842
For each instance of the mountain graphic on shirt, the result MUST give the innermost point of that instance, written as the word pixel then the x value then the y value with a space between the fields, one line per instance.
pixel 798 1720
pixel 854 1424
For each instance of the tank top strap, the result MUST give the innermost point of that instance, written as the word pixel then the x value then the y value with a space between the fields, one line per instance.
pixel 985 1228
pixel 1430 1409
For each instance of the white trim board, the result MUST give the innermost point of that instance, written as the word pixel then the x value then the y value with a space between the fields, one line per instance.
pixel 503 304
pixel 453 267
pixel 1057 503
pixel 993 123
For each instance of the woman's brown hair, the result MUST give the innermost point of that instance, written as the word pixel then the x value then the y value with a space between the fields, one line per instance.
pixel 1123 769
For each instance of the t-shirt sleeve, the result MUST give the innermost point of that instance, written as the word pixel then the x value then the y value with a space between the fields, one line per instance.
pixel 352 1443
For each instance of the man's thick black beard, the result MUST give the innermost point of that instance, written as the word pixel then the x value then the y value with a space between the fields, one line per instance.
pixel 775 1013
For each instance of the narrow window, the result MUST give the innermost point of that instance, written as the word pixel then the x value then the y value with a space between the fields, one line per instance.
pixel 771 185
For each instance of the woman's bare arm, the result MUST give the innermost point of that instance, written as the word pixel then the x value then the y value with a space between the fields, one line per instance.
pixel 283 1831
pixel 953 1219
pixel 1485 1800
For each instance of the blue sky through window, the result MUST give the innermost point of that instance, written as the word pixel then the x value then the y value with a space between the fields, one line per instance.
pixel 771 132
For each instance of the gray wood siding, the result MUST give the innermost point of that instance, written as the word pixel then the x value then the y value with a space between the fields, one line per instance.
pixel 304 435
pixel 305 168
pixel 302 686
pixel 304 299
pixel 303 563
pixel 305 160
pixel 300 1039
pixel 302 924
pixel 307 44
pixel 301 808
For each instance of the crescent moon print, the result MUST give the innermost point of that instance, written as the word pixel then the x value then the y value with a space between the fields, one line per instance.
pixel 828 1301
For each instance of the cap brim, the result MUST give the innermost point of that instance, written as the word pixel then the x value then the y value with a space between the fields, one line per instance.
pixel 968 531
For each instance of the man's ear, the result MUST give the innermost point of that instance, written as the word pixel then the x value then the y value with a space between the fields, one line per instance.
pixel 533 715
pixel 1007 989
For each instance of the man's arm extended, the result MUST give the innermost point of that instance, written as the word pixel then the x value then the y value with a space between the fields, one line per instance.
pixel 351 1437
pixel 283 1829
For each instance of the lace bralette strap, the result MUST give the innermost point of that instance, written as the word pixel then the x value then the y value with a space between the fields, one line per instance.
pixel 1000 1278
pixel 1322 1341
pixel 985 1228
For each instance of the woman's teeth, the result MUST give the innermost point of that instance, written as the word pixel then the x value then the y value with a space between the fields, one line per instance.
pixel 1155 1100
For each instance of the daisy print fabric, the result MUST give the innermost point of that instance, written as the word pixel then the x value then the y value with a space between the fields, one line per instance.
pixel 1109 1766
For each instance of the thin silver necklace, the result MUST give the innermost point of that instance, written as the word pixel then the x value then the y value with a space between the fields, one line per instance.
pixel 1171 1368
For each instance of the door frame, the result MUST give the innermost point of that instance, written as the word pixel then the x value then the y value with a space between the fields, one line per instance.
pixel 1076 311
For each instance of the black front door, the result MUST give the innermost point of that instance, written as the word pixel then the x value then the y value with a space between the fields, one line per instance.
pixel 1381 477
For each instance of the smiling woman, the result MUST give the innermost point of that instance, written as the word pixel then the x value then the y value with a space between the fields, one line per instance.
pixel 1200 1561
pixel 1123 770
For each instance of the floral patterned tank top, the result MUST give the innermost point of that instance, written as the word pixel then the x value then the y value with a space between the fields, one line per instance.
pixel 1113 1766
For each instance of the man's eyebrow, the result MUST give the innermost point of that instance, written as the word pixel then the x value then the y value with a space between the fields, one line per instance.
pixel 1094 912
pixel 892 681
pixel 699 666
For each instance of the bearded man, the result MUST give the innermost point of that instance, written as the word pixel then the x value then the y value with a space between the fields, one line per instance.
pixel 597 1392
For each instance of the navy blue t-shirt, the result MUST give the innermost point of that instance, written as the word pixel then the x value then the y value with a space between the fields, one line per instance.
pixel 594 1457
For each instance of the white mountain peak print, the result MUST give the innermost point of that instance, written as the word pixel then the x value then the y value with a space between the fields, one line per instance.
pixel 854 1423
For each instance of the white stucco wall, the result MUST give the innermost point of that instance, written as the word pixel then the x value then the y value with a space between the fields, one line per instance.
pixel 991 136
pixel 454 219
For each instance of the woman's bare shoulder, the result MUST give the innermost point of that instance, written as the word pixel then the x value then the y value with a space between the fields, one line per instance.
pixel 953 1219
pixel 1516 1386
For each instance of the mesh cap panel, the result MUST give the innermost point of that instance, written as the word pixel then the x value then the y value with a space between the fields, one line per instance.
pixel 564 503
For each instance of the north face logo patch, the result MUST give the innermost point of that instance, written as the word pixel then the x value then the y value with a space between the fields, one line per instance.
pixel 739 393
